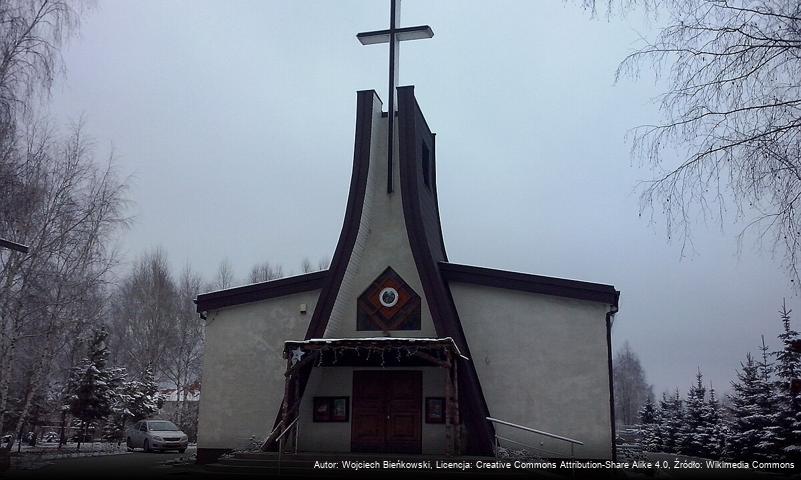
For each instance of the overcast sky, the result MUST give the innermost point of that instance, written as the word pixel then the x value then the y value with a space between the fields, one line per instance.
pixel 236 120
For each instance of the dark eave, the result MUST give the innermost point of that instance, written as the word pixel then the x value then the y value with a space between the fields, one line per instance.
pixel 525 282
pixel 260 291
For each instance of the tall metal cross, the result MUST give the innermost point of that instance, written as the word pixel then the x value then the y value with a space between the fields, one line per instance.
pixel 393 36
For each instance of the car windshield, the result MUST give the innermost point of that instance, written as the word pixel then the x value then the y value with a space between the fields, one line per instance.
pixel 162 426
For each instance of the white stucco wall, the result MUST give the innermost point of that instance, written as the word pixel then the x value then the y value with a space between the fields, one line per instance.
pixel 243 381
pixel 338 381
pixel 542 362
pixel 382 242
pixel 243 368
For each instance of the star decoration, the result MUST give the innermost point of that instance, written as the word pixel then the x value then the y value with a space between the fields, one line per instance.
pixel 297 354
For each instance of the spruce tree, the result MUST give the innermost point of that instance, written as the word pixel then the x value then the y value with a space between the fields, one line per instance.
pixel 716 428
pixel 772 439
pixel 93 384
pixel 648 412
pixel 135 400
pixel 649 426
pixel 672 408
pixel 694 431
pixel 788 402
pixel 752 436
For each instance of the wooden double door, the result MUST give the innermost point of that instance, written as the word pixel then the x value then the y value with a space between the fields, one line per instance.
pixel 387 411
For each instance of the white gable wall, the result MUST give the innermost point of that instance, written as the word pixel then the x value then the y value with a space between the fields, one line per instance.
pixel 243 369
pixel 382 242
pixel 543 363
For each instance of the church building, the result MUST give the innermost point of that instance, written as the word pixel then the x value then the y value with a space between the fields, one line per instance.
pixel 396 349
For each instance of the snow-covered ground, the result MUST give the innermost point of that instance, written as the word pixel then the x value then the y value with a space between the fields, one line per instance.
pixel 32 457
pixel 87 448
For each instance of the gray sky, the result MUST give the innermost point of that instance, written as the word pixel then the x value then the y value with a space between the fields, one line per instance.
pixel 236 120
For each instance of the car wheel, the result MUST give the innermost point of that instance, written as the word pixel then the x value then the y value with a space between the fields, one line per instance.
pixel 146 446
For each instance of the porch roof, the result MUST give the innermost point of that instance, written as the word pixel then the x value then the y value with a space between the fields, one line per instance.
pixel 375 342
pixel 366 351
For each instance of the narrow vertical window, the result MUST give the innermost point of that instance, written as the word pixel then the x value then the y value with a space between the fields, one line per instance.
pixel 426 165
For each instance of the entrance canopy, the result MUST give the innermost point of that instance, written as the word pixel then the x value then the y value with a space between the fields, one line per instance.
pixel 372 351
pixel 304 355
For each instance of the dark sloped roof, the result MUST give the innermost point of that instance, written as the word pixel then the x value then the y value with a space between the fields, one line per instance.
pixel 526 282
pixel 260 291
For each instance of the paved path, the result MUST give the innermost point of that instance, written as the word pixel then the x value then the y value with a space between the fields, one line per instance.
pixel 112 467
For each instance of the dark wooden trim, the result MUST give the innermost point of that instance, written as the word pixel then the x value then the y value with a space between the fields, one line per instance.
pixel 353 214
pixel 609 317
pixel 443 311
pixel 436 195
pixel 365 100
pixel 260 291
pixel 597 292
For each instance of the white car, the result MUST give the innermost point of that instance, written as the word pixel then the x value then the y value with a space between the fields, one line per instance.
pixel 156 435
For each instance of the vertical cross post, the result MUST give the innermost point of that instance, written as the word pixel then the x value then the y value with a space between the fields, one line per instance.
pixel 393 36
pixel 394 67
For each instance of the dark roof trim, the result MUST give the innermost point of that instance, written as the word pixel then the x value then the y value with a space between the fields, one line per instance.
pixel 443 312
pixel 365 102
pixel 365 105
pixel 526 282
pixel 260 291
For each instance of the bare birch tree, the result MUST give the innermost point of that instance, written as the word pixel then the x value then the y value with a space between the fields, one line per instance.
pixel 307 267
pixel 183 365
pixel 631 389
pixel 31 33
pixel 265 271
pixel 729 141
pixel 144 315
pixel 67 207
pixel 224 278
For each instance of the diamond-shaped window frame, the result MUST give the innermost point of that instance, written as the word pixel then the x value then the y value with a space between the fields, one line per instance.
pixel 373 316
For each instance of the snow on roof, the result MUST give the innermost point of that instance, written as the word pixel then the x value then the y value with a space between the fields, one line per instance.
pixel 318 341
pixel 234 287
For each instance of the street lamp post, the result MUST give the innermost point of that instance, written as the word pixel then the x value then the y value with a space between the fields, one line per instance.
pixel 13 245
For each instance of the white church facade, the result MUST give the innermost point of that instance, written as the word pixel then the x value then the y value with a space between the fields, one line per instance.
pixel 396 349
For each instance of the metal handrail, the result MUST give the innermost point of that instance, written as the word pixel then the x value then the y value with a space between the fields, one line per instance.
pixel 281 442
pixel 270 435
pixel 547 434
pixel 573 442
pixel 499 437
pixel 287 429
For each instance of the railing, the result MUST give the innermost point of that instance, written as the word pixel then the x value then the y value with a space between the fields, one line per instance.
pixel 270 438
pixel 280 440
pixel 571 441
